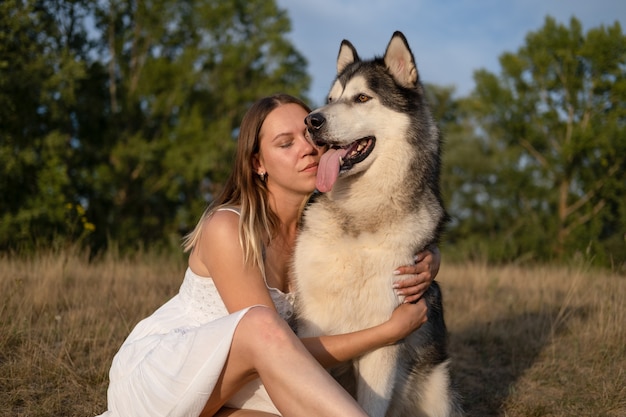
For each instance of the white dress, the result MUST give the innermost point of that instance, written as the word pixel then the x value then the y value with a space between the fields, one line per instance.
pixel 170 362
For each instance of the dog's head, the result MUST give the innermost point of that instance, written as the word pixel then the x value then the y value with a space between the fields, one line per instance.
pixel 372 106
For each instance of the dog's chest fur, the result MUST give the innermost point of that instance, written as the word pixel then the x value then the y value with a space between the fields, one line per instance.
pixel 345 260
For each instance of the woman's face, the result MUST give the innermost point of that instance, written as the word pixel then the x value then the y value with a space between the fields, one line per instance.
pixel 285 155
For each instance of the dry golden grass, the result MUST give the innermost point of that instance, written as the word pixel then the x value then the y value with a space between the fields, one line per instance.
pixel 525 341
pixel 62 321
pixel 541 341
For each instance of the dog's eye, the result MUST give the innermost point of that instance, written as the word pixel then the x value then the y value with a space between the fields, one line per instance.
pixel 362 98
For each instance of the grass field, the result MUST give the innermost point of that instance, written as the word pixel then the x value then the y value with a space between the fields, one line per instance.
pixel 540 341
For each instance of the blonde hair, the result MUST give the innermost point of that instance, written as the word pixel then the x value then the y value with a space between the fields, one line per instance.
pixel 258 224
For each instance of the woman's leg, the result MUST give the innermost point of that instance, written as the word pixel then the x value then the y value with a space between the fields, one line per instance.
pixel 233 412
pixel 264 345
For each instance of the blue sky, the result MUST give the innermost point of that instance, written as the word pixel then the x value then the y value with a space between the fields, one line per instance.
pixel 450 39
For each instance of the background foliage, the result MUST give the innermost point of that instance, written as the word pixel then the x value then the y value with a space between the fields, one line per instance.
pixel 117 121
pixel 127 110
pixel 535 164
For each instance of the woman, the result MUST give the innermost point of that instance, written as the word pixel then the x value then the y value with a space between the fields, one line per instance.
pixel 202 353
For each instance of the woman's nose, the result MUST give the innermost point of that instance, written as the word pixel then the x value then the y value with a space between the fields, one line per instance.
pixel 308 146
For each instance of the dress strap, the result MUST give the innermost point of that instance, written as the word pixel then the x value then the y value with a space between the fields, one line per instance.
pixel 230 208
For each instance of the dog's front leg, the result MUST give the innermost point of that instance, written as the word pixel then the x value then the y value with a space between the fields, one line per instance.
pixel 376 374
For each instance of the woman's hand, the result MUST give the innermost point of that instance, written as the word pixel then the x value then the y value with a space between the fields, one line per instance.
pixel 331 350
pixel 405 319
pixel 423 272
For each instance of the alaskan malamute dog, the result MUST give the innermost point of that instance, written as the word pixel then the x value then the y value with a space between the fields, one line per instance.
pixel 380 205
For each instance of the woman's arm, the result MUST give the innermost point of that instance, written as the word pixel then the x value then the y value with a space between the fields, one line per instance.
pixel 333 350
pixel 219 255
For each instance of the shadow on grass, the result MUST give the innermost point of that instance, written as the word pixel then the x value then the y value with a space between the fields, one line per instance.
pixel 489 357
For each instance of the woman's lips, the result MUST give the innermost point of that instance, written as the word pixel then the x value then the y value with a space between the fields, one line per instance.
pixel 310 166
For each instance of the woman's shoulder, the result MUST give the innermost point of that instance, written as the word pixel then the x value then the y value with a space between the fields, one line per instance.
pixel 223 219
pixel 219 234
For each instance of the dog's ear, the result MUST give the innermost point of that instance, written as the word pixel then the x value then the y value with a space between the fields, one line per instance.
pixel 400 62
pixel 347 55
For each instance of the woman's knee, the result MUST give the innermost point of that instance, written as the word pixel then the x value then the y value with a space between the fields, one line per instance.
pixel 266 320
pixel 265 328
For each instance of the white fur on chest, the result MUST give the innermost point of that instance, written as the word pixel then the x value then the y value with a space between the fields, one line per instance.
pixel 341 276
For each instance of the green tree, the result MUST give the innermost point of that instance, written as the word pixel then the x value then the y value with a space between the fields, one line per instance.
pixel 470 166
pixel 119 117
pixel 552 129
pixel 40 66
pixel 180 76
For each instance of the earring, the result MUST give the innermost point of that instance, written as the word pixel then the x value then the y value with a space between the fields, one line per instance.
pixel 262 176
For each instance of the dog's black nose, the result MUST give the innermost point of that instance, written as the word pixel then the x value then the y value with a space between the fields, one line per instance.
pixel 314 121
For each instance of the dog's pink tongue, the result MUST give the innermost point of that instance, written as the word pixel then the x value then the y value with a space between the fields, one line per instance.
pixel 328 169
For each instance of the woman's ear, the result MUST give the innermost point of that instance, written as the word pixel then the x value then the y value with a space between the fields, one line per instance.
pixel 257 165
